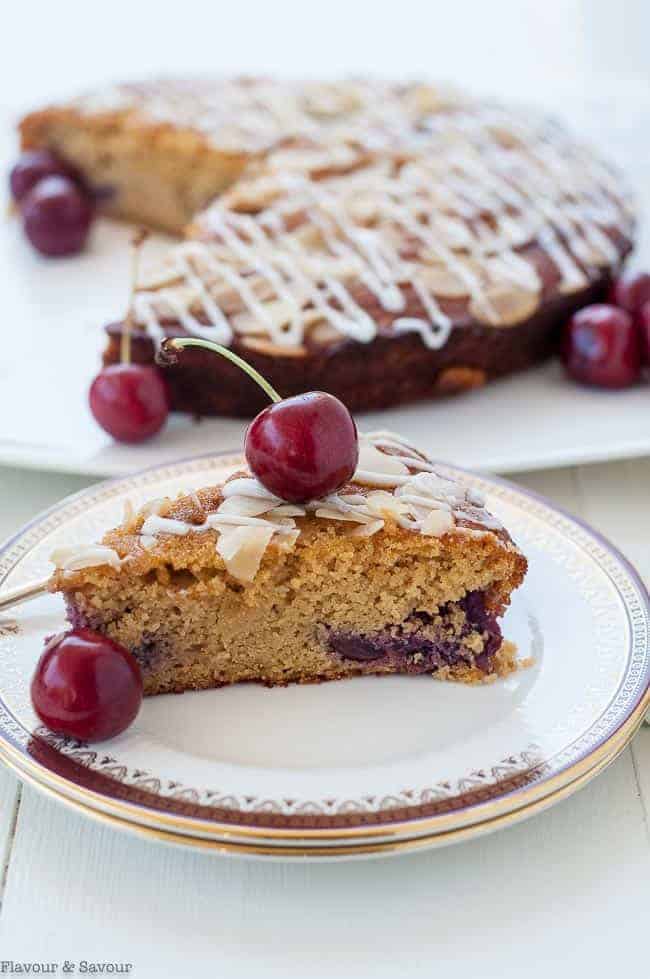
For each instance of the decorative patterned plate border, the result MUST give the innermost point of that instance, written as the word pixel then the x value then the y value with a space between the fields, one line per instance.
pixel 293 850
pixel 91 779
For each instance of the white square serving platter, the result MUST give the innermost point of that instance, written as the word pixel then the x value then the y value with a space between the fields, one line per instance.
pixel 54 310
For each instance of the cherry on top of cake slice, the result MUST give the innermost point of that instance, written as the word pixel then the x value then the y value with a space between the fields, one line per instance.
pixel 394 489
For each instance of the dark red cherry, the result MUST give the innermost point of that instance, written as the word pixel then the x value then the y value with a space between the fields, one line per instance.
pixel 630 291
pixel 86 686
pixel 643 323
pixel 601 347
pixel 56 216
pixel 130 401
pixel 303 448
pixel 32 166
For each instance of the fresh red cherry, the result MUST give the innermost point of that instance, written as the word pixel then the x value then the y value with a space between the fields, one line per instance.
pixel 130 401
pixel 56 216
pixel 630 291
pixel 86 686
pixel 32 166
pixel 601 347
pixel 643 323
pixel 303 448
pixel 300 448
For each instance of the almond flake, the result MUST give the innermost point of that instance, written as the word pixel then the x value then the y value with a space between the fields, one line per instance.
pixel 377 464
pixel 437 522
pixel 242 549
pixel 84 556
pixel 287 510
pixel 328 513
pixel 367 530
pixel 246 506
pixel 383 503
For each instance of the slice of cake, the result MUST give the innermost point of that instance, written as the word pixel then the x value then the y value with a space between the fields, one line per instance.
pixel 403 570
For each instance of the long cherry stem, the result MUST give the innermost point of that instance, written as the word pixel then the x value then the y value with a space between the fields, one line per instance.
pixel 136 248
pixel 179 342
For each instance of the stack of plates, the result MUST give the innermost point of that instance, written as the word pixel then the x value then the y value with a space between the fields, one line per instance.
pixel 366 766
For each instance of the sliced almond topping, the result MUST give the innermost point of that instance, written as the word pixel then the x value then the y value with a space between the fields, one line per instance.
pixel 475 497
pixel 437 522
pixel 242 550
pixel 329 513
pixel 324 333
pixel 85 556
pixel 246 506
pixel 286 542
pixel 287 510
pixel 371 460
pixel 443 282
pixel 153 506
pixel 432 485
pixel 504 305
pixel 273 349
pixel 367 530
pixel 248 486
pixel 385 504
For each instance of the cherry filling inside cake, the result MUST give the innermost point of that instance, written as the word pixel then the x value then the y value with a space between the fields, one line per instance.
pixel 457 634
pixel 401 570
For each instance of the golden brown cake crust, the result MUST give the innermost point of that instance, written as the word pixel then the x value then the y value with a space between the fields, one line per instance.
pixel 173 601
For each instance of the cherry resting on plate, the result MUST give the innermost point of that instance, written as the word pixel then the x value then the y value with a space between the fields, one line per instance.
pixel 86 686
pixel 130 401
pixel 32 166
pixel 300 448
pixel 631 291
pixel 56 216
pixel 601 347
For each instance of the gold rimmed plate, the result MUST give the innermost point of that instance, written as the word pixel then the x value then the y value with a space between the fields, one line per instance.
pixel 367 763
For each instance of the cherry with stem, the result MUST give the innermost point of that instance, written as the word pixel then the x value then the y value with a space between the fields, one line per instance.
pixel 300 448
pixel 130 401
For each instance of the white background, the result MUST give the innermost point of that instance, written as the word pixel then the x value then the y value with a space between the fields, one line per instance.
pixel 508 47
pixel 567 893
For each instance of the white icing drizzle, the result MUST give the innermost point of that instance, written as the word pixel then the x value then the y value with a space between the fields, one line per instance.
pixel 402 486
pixel 284 253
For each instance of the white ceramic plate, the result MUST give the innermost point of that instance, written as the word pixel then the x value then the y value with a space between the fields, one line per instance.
pixel 53 312
pixel 359 765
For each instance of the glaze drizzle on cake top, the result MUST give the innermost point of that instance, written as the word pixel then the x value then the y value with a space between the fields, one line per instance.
pixel 476 213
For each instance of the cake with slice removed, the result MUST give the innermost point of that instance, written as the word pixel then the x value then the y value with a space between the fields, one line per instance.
pixel 402 570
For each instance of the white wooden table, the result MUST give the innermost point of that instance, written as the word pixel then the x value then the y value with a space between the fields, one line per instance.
pixel 568 890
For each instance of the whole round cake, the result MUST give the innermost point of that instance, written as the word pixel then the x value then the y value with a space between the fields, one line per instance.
pixel 381 242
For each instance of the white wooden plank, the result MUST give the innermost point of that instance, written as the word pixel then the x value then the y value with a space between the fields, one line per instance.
pixel 523 899
pixel 23 495
pixel 641 759
pixel 615 500
pixel 10 791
